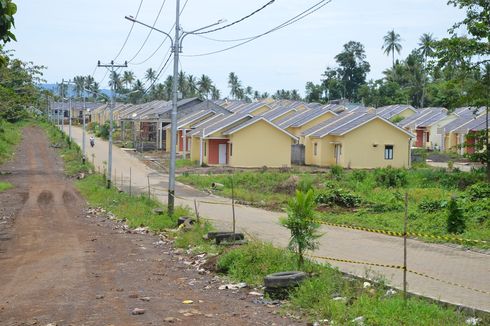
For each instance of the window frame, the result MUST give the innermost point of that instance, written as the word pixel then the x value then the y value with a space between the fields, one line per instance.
pixel 389 149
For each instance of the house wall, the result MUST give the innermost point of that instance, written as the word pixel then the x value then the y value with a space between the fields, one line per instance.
pixel 435 137
pixel 260 110
pixel 195 149
pixel 358 150
pixel 213 150
pixel 260 144
pixel 357 147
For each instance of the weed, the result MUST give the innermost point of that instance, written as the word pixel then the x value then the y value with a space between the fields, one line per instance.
pixel 5 186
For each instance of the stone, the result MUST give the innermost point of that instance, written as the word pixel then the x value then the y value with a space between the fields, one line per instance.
pixel 138 311
pixel 473 321
pixel 99 296
pixel 366 285
pixel 358 321
pixel 146 299
pixel 133 296
pixel 170 319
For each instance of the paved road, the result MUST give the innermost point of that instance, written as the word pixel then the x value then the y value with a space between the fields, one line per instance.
pixel 467 268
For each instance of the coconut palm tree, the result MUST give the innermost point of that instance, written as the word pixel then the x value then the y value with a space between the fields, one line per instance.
pixel 168 87
pixel 115 81
pixel 205 85
pixel 150 75
pixel 95 89
pixel 79 85
pixel 128 78
pixel 426 50
pixel 215 93
pixel 235 86
pixel 89 81
pixel 391 44
pixel 182 84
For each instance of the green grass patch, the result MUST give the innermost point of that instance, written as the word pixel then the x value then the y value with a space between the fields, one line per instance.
pixel 10 135
pixel 5 186
pixel 313 299
pixel 136 210
pixel 185 163
pixel 380 193
pixel 194 239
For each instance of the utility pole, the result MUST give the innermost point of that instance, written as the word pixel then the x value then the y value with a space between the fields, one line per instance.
pixel 111 67
pixel 83 136
pixel 173 116
pixel 176 47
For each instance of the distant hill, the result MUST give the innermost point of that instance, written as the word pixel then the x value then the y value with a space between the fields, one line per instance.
pixel 53 88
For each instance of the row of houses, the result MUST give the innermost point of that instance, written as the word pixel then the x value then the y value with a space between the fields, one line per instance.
pixel 275 133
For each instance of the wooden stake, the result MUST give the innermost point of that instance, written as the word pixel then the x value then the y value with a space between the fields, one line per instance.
pixel 130 182
pixel 233 203
pixel 197 212
pixel 405 248
pixel 149 190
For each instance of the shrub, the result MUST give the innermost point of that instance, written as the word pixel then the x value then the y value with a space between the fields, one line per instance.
pixel 455 220
pixel 431 206
pixel 359 175
pixel 479 190
pixel 336 171
pixel 390 177
pixel 338 197
pixel 305 184
pixel 300 222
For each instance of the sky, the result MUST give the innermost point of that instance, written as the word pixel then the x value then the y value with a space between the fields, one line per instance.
pixel 70 36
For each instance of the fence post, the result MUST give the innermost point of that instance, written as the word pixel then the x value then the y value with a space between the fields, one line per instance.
pixel 122 181
pixel 405 248
pixel 233 203
pixel 149 191
pixel 197 212
pixel 130 182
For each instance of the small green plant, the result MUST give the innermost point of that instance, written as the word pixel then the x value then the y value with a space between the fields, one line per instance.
pixel 455 220
pixel 305 183
pixel 390 177
pixel 479 190
pixel 450 165
pixel 300 222
pixel 359 175
pixel 431 206
pixel 337 171
pixel 5 186
pixel 338 197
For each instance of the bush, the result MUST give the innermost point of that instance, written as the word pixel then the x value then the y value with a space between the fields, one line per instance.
pixel 305 183
pixel 455 219
pixel 431 206
pixel 338 197
pixel 337 171
pixel 390 177
pixel 479 190
pixel 359 175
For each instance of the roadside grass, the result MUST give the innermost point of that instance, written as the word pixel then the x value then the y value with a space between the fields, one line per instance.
pixel 313 299
pixel 380 207
pixel 181 163
pixel 194 239
pixel 10 135
pixel 136 210
pixel 5 186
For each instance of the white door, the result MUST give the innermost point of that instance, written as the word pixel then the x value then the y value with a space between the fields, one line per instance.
pixel 222 154
pixel 338 152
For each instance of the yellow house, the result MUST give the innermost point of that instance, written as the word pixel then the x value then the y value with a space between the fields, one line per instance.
pixel 396 110
pixel 304 120
pixel 242 140
pixel 359 140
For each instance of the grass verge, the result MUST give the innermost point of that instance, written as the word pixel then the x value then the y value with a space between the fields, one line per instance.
pixel 10 135
pixel 5 186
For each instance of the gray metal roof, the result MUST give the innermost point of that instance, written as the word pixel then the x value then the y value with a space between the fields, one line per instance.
pixel 421 115
pixel 199 128
pixel 476 124
pixel 277 112
pixel 390 111
pixel 312 114
pixel 228 121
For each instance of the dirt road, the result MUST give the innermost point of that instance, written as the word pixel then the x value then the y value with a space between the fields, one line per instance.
pixel 60 266
pixel 467 268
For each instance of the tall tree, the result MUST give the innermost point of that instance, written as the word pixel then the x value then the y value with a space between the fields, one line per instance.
pixel 353 68
pixel 128 78
pixel 426 48
pixel 215 93
pixel 79 85
pixel 235 85
pixel 192 89
pixel 182 86
pixel 391 44
pixel 150 75
pixel 7 12
pixel 115 81
pixel 205 85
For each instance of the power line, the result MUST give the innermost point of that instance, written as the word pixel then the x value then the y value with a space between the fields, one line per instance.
pixel 239 20
pixel 149 33
pixel 161 44
pixel 293 20
pixel 129 33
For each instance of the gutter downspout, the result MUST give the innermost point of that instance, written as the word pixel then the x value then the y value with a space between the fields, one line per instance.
pixel 184 145
pixel 201 148
pixel 409 153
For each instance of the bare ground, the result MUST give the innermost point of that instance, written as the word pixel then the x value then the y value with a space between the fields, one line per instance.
pixel 61 266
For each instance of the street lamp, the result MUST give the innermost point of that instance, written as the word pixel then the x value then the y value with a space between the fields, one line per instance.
pixel 176 46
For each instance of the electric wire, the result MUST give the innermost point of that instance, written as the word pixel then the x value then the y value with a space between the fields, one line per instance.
pixel 161 44
pixel 291 21
pixel 149 33
pixel 237 21
pixel 129 33
pixel 165 65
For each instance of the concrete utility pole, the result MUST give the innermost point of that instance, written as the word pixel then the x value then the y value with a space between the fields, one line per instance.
pixel 111 67
pixel 176 47
pixel 83 136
